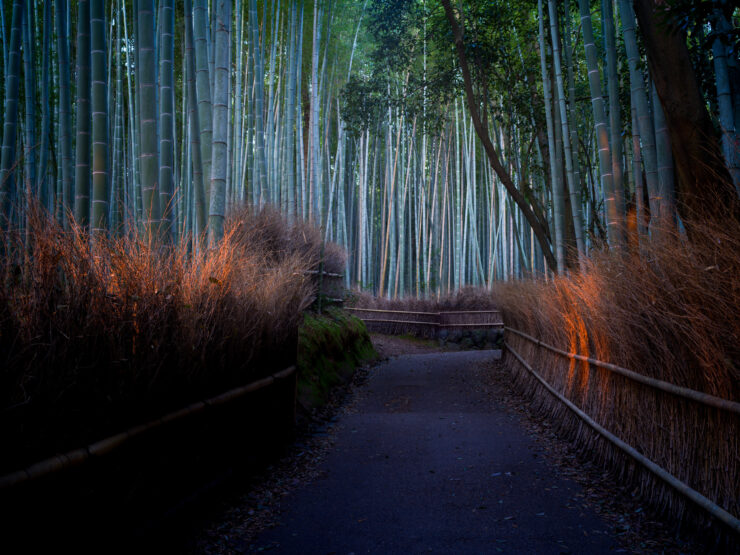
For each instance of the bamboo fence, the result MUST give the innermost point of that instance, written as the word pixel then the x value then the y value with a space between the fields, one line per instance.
pixel 427 324
pixel 676 443
pixel 109 445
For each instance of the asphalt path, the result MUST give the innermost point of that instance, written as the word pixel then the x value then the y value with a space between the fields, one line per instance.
pixel 429 463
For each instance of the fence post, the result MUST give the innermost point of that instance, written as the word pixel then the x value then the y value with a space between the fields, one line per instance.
pixel 321 275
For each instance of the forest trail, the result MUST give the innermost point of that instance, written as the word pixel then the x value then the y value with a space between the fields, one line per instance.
pixel 428 462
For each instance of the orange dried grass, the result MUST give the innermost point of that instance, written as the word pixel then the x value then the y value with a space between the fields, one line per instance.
pixel 669 312
pixel 94 339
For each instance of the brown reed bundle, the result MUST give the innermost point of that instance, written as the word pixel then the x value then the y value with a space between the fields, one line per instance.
pixel 97 335
pixel 266 230
pixel 467 298
pixel 669 311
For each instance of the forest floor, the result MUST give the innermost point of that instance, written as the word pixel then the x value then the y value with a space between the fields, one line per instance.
pixel 432 452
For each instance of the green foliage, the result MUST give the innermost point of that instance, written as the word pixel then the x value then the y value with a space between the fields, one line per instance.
pixel 692 16
pixel 330 346
pixel 394 26
pixel 698 20
pixel 363 102
pixel 408 69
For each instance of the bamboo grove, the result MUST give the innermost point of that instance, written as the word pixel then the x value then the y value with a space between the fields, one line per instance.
pixel 442 144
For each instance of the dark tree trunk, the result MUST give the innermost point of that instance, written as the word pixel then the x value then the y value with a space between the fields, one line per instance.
pixel 704 185
pixel 481 130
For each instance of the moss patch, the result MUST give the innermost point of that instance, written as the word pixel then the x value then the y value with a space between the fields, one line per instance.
pixel 330 347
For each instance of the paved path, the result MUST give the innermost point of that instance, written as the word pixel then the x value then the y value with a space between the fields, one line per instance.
pixel 429 464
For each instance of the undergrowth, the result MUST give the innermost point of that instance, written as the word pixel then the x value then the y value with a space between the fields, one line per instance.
pixel 330 346
pixel 97 335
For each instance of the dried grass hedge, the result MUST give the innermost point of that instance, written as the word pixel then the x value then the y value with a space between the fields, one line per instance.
pixel 95 340
pixel 671 312
pixel 467 298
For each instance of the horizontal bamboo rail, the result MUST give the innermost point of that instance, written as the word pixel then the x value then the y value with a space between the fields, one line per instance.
pixel 318 272
pixel 424 313
pixel 105 446
pixel 435 324
pixel 413 322
pixel 708 505
pixel 704 398
pixel 479 325
pixel 426 320
pixel 470 312
pixel 475 326
pixel 392 311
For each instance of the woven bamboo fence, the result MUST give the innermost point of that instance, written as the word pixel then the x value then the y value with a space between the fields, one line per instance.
pixel 426 324
pixel 330 289
pixel 681 447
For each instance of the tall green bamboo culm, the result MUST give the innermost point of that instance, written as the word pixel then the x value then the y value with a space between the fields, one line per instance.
pixel 99 106
pixel 615 205
pixel 555 177
pixel 66 202
pixel 290 101
pixel 315 174
pixel 83 116
pixel 217 205
pixel 147 93
pixel 575 197
pixel 640 99
pixel 260 171
pixel 30 148
pixel 203 84
pixel 666 202
pixel 727 116
pixel 193 116
pixel 44 182
pixel 600 122
pixel 119 159
pixel 166 119
pixel 10 125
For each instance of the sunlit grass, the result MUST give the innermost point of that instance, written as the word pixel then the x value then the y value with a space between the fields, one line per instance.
pixel 668 310
pixel 97 336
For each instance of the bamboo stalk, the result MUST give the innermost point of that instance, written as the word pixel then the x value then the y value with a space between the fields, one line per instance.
pixel 10 120
pixel 99 114
pixel 82 118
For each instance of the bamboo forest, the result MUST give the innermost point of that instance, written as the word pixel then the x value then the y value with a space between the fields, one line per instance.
pixel 551 140
pixel 203 195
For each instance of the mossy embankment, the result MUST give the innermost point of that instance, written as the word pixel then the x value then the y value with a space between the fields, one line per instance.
pixel 331 346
